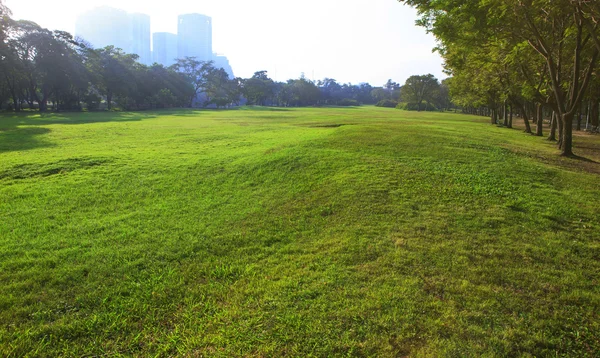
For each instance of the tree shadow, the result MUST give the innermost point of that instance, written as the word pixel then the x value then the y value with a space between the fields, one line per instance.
pixel 261 109
pixel 41 119
pixel 25 131
pixel 339 107
pixel 583 159
pixel 21 139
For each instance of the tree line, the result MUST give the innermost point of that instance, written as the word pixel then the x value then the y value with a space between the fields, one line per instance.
pixel 537 58
pixel 45 69
pixel 52 70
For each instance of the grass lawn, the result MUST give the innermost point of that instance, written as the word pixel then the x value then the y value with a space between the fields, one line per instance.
pixel 294 232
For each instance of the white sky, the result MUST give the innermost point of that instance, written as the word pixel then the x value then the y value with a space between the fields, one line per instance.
pixel 348 40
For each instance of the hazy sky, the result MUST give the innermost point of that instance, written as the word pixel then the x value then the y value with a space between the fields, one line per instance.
pixel 349 40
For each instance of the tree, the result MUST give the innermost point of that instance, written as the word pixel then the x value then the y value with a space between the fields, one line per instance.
pixel 220 90
pixel 259 88
pixel 197 73
pixel 379 94
pixel 562 34
pixel 392 89
pixel 420 88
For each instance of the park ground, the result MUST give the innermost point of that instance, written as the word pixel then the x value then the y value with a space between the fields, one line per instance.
pixel 295 232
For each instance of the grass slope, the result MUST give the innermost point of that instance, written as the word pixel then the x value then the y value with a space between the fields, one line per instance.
pixel 298 232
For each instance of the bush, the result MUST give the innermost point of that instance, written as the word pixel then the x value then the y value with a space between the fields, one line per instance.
pixel 92 102
pixel 389 103
pixel 347 102
pixel 415 107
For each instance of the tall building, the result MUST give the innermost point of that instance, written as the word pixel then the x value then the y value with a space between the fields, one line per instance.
pixel 164 48
pixel 221 61
pixel 105 26
pixel 140 37
pixel 194 37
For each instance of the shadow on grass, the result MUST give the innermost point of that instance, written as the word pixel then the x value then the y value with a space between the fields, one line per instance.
pixel 24 131
pixel 582 159
pixel 14 120
pixel 261 109
pixel 20 139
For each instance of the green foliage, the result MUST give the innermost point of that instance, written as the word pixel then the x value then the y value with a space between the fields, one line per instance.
pixel 416 107
pixel 419 89
pixel 379 94
pixel 348 102
pixel 293 232
pixel 542 51
pixel 92 101
pixel 389 103
pixel 301 93
pixel 259 88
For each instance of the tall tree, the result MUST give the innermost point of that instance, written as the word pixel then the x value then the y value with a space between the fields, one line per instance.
pixel 561 32
pixel 197 73
pixel 259 88
pixel 420 88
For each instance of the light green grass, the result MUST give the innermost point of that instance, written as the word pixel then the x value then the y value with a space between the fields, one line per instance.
pixel 258 232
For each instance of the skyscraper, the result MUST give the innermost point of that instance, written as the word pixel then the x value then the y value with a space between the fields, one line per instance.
pixel 140 37
pixel 164 48
pixel 221 61
pixel 105 26
pixel 194 37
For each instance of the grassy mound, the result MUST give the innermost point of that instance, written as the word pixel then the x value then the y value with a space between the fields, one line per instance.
pixel 324 231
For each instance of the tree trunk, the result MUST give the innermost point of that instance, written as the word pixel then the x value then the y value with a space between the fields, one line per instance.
pixel 505 114
pixel 525 118
pixel 539 128
pixel 579 118
pixel 494 116
pixel 16 102
pixel 109 95
pixel 552 136
pixel 43 103
pixel 560 130
pixel 510 117
pixel 567 135
pixel 595 114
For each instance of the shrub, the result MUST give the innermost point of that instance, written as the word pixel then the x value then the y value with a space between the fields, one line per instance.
pixel 387 103
pixel 92 102
pixel 347 102
pixel 415 107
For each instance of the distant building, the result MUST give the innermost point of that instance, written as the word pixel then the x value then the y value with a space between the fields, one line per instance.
pixel 194 37
pixel 222 62
pixel 164 48
pixel 140 37
pixel 105 26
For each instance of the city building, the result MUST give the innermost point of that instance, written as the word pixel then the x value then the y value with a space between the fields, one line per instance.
pixel 140 37
pixel 164 48
pixel 221 61
pixel 194 37
pixel 106 26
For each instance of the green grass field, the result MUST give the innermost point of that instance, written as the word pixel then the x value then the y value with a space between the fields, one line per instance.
pixel 294 232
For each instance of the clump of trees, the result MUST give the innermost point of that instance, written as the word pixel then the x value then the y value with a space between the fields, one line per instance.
pixel 51 70
pixel 535 57
pixel 419 93
pixel 39 67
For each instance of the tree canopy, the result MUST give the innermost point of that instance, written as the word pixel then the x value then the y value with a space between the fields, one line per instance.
pixel 518 51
